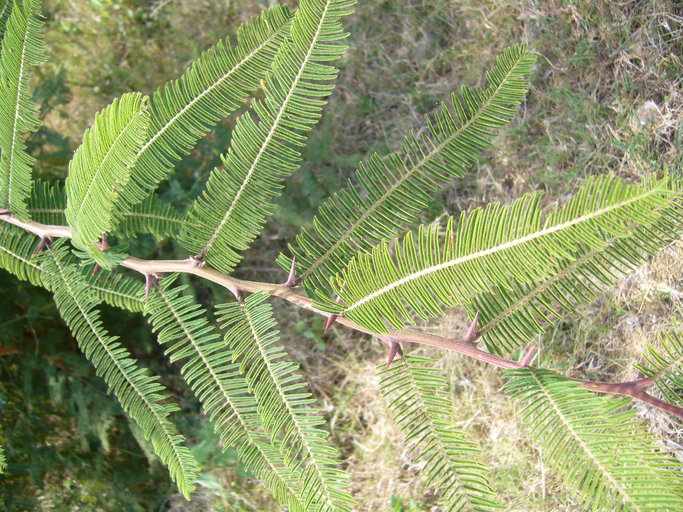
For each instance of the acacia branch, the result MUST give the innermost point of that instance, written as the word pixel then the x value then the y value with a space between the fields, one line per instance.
pixel 238 287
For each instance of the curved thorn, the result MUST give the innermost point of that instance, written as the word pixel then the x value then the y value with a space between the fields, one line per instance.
pixel 292 281
pixel 332 318
pixel 149 281
pixel 45 242
pixel 528 355
pixel 473 332
pixel 330 321
pixel 394 348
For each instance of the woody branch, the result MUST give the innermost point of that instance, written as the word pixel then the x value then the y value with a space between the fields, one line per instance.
pixel 394 338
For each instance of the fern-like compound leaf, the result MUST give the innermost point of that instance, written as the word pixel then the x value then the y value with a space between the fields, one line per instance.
pixel 605 456
pixel 47 203
pixel 266 150
pixel 186 109
pixel 153 217
pixel 391 192
pixel 140 395
pixel 417 397
pixel 665 364
pixel 22 49
pixel 3 460
pixel 511 316
pixel 16 254
pixel 208 369
pixel 490 247
pixel 17 249
pixel 100 169
pixel 118 290
pixel 5 11
pixel 285 407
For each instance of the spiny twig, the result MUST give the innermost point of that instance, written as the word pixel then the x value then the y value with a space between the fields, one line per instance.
pixel 196 266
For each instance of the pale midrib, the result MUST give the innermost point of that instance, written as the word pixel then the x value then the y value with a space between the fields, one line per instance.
pixel 206 91
pixel 100 165
pixel 444 453
pixel 498 248
pixel 285 401
pixel 156 217
pixel 46 210
pixel 121 370
pixel 225 394
pixel 271 134
pixel 38 267
pixel 538 290
pixel 615 484
pixel 21 258
pixel 125 214
pixel 10 157
pixel 105 291
pixel 371 209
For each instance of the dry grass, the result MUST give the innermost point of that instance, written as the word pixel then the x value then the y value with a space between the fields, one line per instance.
pixel 606 97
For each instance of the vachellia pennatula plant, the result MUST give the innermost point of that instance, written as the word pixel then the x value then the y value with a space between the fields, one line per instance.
pixel 364 263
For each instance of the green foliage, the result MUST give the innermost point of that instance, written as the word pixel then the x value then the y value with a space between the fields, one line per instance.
pixel 264 151
pixel 665 365
pixel 16 255
pixel 282 405
pixel 603 453
pixel 490 247
pixel 417 397
pixel 513 316
pixel 217 83
pixel 101 169
pixel 520 269
pixel 391 192
pixel 140 395
pixel 22 49
pixel 153 217
pixel 47 203
pixel 5 11
pixel 118 290
pixel 220 386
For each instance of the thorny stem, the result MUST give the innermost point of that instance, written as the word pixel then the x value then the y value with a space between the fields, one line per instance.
pixel 152 269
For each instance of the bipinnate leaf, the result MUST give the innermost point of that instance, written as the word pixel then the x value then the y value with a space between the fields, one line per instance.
pixel 5 11
pixel 285 407
pixel 511 315
pixel 605 456
pixel 22 49
pixel 221 387
pixel 490 247
pixel 47 203
pixel 265 149
pixel 17 256
pixel 100 168
pixel 184 110
pixel 419 401
pixel 389 193
pixel 142 397
pixel 153 216
pixel 664 364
